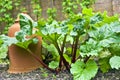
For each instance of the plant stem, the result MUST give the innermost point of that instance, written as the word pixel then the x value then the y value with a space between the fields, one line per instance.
pixel 75 49
pixel 62 57
pixel 86 59
pixel 62 50
pixel 40 61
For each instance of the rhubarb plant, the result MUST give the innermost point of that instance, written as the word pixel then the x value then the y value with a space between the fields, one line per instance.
pixel 81 41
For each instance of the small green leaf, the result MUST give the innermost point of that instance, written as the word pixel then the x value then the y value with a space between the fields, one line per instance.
pixel 53 64
pixel 68 58
pixel 3 52
pixel 115 49
pixel 104 64
pixel 88 12
pixel 82 71
pixel 115 62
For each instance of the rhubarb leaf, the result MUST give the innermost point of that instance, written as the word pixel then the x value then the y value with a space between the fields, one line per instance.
pixel 82 71
pixel 115 62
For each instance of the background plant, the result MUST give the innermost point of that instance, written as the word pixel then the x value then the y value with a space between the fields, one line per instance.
pixel 51 14
pixel 36 8
pixel 6 18
pixel 71 7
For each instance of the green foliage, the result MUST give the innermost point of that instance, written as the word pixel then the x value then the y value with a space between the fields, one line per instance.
pixel 87 3
pixel 74 43
pixel 26 25
pixel 115 62
pixel 51 12
pixel 51 48
pixel 4 43
pixel 36 8
pixel 90 48
pixel 71 7
pixel 82 71
pixel 6 10
pixel 3 51
pixel 115 49
pixel 7 41
pixel 104 64
pixel 92 30
pixel 5 17
pixel 53 64
pixel 20 40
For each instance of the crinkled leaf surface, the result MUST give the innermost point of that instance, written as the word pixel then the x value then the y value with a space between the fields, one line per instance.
pixel 116 26
pixel 96 18
pixel 90 48
pixel 26 28
pixel 5 41
pixel 8 40
pixel 102 33
pixel 26 24
pixel 53 28
pixel 82 71
pixel 115 62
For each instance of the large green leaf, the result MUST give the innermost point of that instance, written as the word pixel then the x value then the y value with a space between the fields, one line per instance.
pixel 90 48
pixel 52 28
pixel 26 24
pixel 101 33
pixel 115 26
pixel 115 62
pixel 107 19
pixel 26 28
pixel 82 71
pixel 7 41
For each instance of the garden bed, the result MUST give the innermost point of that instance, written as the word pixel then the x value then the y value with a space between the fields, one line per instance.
pixel 43 74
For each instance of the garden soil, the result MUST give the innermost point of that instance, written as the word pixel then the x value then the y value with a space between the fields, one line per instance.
pixel 43 74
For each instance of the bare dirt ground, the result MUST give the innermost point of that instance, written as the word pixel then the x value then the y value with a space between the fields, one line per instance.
pixel 43 74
